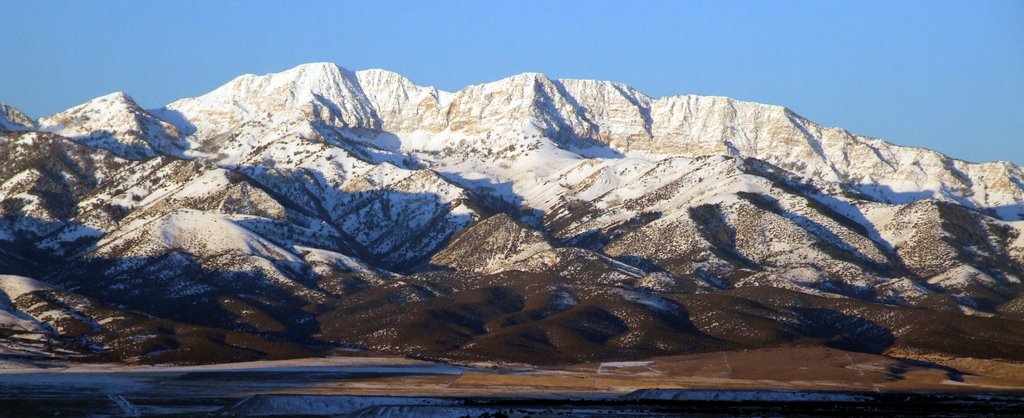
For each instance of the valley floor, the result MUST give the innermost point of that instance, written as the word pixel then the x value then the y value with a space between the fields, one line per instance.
pixel 794 380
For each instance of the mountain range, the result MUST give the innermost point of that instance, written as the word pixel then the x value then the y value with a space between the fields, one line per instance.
pixel 525 220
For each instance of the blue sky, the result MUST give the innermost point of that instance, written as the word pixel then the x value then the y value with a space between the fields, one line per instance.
pixel 938 74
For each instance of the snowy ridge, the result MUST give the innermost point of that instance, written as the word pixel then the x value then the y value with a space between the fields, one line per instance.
pixel 581 114
pixel 11 288
pixel 324 205
pixel 15 286
pixel 12 120
pixel 116 123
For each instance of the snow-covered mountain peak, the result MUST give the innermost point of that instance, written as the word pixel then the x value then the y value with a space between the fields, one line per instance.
pixel 587 117
pixel 13 120
pixel 115 97
pixel 110 103
pixel 320 91
pixel 384 78
pixel 116 123
pixel 323 205
pixel 305 81
pixel 305 78
pixel 400 104
pixel 529 77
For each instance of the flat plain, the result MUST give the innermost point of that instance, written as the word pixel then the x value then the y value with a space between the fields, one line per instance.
pixel 797 380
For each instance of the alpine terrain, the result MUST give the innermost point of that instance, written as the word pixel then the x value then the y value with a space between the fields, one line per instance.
pixel 525 220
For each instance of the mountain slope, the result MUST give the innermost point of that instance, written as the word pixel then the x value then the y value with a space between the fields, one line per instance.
pixel 586 115
pixel 12 120
pixel 117 124
pixel 495 244
pixel 38 321
pixel 523 219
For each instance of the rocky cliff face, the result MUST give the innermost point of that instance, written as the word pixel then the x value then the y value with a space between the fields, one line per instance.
pixel 322 207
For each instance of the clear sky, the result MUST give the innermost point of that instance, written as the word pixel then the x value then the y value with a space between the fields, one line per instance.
pixel 938 74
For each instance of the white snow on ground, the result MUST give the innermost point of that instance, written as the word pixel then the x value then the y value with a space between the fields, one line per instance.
pixel 203 185
pixel 903 289
pixel 204 233
pixel 116 123
pixel 528 140
pixel 501 262
pixel 17 321
pixel 14 286
pixel 13 120
pixel 198 233
pixel 961 276
pixel 625 364
pixel 21 178
pixel 881 216
pixel 1019 227
pixel 70 233
pixel 323 261
pixel 11 287
pixel 650 300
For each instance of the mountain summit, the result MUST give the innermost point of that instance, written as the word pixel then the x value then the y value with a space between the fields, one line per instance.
pixel 604 118
pixel 318 207
pixel 117 124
